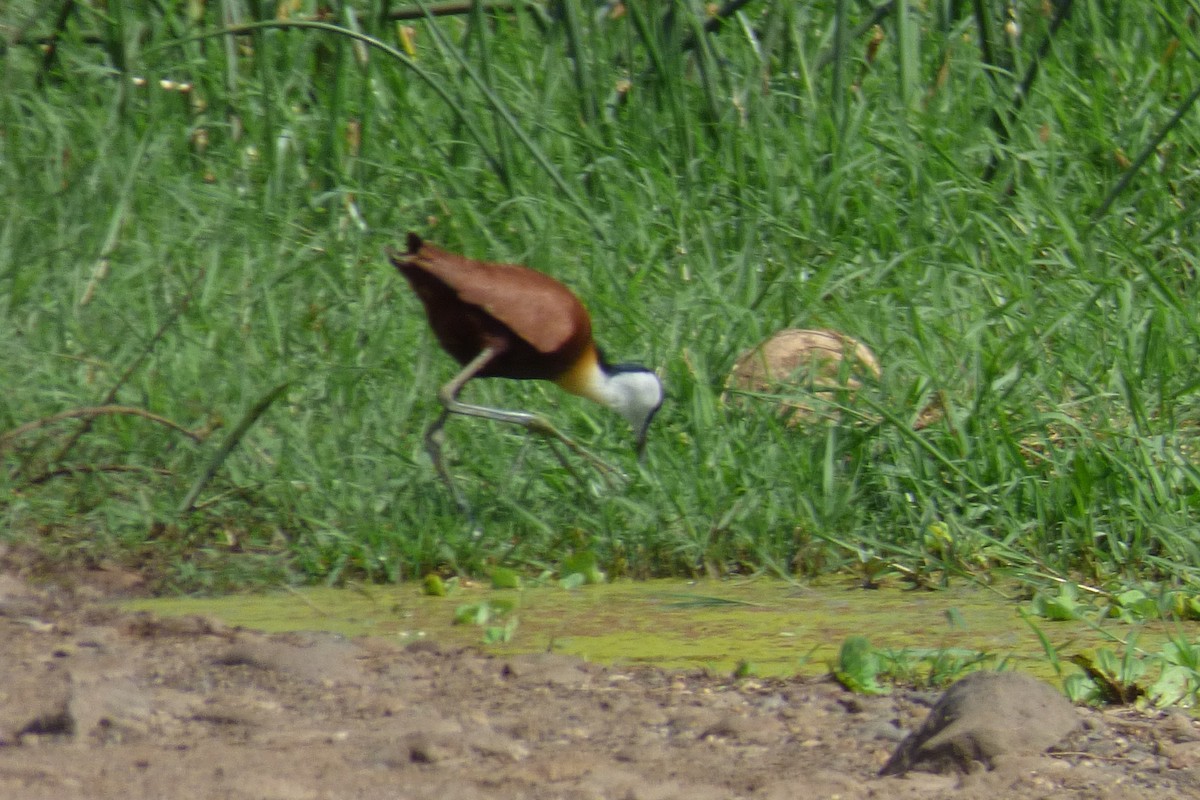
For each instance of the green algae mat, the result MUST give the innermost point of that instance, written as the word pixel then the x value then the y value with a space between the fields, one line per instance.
pixel 760 626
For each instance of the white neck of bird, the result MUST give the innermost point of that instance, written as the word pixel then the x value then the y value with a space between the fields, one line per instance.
pixel 635 394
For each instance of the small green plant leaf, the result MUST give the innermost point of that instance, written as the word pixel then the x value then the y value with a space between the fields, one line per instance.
pixel 572 581
pixel 1061 607
pixel 1114 677
pixel 1183 653
pixel 955 619
pixel 500 634
pixel 501 606
pixel 472 614
pixel 434 586
pixel 584 564
pixel 1134 605
pixel 938 539
pixel 1176 685
pixel 1079 688
pixel 1047 647
pixel 504 578
pixel 858 667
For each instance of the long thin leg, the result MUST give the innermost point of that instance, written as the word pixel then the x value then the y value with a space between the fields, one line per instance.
pixel 435 436
pixel 531 422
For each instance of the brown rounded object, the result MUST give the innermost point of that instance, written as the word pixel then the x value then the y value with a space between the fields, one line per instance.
pixel 795 360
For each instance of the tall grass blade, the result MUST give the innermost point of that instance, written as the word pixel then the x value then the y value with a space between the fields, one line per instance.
pixel 1150 148
pixel 1062 11
pixel 121 380
pixel 840 56
pixel 228 445
pixel 426 77
pixel 479 32
pixel 506 115
pixel 579 53
pixel 908 47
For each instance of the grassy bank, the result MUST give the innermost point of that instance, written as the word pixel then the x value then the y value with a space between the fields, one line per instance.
pixel 1004 210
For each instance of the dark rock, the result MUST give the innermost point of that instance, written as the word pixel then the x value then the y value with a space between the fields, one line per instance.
pixel 983 716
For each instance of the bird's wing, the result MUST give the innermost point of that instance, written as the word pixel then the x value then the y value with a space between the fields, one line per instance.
pixel 534 306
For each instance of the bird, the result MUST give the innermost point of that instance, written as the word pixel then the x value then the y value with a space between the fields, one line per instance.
pixel 510 321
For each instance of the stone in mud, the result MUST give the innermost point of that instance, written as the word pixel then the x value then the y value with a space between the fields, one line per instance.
pixel 981 717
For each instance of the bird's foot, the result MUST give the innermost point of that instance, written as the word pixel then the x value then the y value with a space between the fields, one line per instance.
pixel 434 438
pixel 542 427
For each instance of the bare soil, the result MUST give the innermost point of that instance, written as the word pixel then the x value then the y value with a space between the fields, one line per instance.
pixel 98 703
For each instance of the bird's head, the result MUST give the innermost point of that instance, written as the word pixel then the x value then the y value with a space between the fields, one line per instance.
pixel 636 394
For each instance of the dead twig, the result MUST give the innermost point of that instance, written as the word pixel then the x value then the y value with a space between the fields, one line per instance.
pixel 95 411
pixel 405 13
pixel 111 394
pixel 91 469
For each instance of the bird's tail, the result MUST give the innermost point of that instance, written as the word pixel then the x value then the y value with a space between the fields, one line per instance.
pixel 399 258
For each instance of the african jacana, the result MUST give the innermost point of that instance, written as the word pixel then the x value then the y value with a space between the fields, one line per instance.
pixel 508 321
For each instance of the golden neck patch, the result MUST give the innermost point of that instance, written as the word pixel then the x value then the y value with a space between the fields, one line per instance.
pixel 584 378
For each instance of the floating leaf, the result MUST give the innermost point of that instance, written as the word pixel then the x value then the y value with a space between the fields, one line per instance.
pixel 500 634
pixel 572 581
pixel 504 578
pixel 472 614
pixel 1175 686
pixel 1063 606
pixel 858 667
pixel 584 564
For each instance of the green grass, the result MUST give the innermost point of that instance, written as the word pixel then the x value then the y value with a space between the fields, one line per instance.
pixel 1029 263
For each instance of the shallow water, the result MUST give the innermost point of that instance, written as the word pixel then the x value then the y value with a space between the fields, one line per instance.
pixel 771 627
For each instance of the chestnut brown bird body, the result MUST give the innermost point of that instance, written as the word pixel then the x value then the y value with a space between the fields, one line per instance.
pixel 540 326
pixel 509 321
